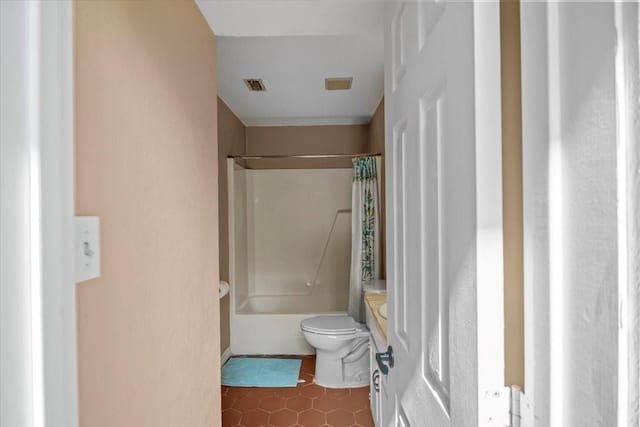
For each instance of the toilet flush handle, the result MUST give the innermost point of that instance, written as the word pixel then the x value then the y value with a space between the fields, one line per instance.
pixel 385 358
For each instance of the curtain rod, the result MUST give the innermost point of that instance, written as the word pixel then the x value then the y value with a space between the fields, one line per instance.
pixel 303 156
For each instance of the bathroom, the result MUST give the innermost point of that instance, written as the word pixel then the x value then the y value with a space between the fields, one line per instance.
pixel 286 188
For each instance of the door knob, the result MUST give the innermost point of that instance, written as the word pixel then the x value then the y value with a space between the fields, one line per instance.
pixel 385 360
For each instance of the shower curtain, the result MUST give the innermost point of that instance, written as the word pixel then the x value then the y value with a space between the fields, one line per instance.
pixel 365 238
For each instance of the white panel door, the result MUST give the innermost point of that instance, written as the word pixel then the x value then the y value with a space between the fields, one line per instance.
pixel 581 152
pixel 444 238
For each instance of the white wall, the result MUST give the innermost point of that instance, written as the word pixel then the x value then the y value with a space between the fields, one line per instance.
pixel 575 214
pixel 589 212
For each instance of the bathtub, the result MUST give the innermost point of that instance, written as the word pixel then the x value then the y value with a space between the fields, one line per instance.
pixel 271 324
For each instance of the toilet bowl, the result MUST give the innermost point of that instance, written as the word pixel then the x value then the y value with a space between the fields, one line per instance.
pixel 342 350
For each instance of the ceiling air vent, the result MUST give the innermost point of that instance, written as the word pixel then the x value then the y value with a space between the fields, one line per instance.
pixel 255 85
pixel 338 83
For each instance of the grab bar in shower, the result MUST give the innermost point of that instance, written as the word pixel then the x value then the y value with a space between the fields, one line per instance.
pixel 326 246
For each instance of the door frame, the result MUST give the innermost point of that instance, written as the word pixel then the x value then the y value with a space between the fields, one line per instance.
pixel 489 214
pixel 627 22
pixel 38 62
pixel 539 253
pixel 58 211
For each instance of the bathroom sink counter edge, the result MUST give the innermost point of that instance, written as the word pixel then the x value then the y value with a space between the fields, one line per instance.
pixel 374 301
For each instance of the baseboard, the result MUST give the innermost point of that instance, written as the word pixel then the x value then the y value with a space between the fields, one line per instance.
pixel 225 356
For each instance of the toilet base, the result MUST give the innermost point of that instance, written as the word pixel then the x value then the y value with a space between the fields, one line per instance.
pixel 335 373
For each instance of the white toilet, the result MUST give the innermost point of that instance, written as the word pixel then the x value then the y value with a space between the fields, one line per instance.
pixel 342 350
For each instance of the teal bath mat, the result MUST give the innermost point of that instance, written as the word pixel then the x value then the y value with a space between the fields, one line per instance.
pixel 261 372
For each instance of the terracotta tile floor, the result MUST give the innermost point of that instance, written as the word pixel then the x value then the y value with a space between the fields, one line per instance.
pixel 307 405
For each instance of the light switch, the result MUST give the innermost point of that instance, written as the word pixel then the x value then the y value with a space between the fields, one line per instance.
pixel 87 248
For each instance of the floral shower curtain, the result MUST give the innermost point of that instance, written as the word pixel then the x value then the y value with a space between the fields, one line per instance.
pixel 365 239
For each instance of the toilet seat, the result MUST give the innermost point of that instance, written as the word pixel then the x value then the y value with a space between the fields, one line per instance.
pixel 330 325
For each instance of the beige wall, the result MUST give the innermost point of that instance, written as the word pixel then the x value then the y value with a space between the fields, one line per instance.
pixel 146 164
pixel 512 192
pixel 376 145
pixel 282 140
pixel 231 141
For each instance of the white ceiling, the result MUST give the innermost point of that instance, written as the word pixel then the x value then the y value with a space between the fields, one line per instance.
pixel 251 18
pixel 293 45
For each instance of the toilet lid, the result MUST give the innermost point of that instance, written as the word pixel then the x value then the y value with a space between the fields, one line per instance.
pixel 330 324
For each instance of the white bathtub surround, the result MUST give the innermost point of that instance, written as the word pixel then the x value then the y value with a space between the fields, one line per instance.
pixel 291 232
pixel 226 355
pixel 271 324
pixel 289 247
pixel 365 231
pixel 223 289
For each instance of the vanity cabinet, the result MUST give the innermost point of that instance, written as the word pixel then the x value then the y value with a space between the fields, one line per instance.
pixel 377 380
pixel 375 387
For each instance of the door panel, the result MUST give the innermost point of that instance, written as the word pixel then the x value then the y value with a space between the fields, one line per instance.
pixel 437 188
pixel 435 317
pixel 399 230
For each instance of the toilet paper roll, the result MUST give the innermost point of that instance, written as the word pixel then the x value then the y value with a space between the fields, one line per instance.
pixel 223 290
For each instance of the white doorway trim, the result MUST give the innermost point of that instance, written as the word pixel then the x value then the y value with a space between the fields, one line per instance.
pixel 38 328
pixel 489 202
pixel 57 172
pixel 627 21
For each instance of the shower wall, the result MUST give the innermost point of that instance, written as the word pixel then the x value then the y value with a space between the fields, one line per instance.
pixel 291 240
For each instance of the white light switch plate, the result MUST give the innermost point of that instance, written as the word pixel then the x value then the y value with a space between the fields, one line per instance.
pixel 87 247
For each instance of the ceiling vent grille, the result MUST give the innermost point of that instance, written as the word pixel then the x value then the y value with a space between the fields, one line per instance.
pixel 255 85
pixel 338 83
